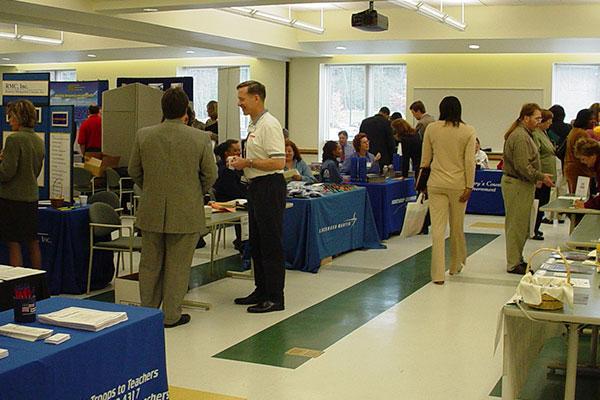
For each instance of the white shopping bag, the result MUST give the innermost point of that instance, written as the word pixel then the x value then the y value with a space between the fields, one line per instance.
pixel 532 217
pixel 415 217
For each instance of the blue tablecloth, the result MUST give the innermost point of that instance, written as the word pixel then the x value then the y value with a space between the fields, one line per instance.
pixel 388 200
pixel 486 197
pixel 124 358
pixel 318 228
pixel 65 243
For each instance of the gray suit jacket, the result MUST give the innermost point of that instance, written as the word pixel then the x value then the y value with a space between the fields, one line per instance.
pixel 174 165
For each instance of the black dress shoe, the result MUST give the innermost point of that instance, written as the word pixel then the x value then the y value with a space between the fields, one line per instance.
pixel 538 236
pixel 546 221
pixel 184 319
pixel 265 307
pixel 253 298
pixel 519 269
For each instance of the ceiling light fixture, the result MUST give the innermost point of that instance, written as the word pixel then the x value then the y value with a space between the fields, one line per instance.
pixel 190 51
pixel 150 9
pixel 474 46
pixel 277 19
pixel 431 12
pixel 32 38
pixel 6 58
pixel 340 48
pixel 92 55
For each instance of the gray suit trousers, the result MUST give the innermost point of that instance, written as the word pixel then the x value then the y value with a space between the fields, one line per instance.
pixel 165 270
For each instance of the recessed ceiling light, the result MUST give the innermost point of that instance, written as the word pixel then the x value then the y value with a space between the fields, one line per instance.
pixel 150 9
pixel 6 58
pixel 92 55
pixel 190 52
pixel 474 46
pixel 340 48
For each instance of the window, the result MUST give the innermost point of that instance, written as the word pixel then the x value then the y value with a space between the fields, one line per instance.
pixel 575 86
pixel 206 88
pixel 353 92
pixel 60 75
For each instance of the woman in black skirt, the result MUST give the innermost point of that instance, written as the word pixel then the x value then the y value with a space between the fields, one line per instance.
pixel 21 162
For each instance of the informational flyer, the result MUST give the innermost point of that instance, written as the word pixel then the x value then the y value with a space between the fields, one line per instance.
pixel 60 162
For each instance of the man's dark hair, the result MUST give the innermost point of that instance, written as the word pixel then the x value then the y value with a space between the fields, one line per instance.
pixel 384 110
pixel 418 106
pixel 558 113
pixel 395 116
pixel 224 147
pixel 174 103
pixel 583 119
pixel 254 88
pixel 93 109
pixel 343 133
pixel 451 111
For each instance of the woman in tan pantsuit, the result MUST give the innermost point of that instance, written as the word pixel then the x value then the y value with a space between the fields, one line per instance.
pixel 521 173
pixel 573 167
pixel 449 150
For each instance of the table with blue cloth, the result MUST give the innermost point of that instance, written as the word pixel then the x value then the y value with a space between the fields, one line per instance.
pixel 65 244
pixel 125 361
pixel 321 227
pixel 486 197
pixel 388 201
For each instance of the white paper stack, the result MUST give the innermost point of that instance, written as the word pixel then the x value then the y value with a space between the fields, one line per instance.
pixel 8 273
pixel 3 353
pixel 83 318
pixel 28 333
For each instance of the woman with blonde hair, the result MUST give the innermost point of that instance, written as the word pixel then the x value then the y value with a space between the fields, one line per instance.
pixel 587 150
pixel 449 151
pixel 21 163
pixel 521 173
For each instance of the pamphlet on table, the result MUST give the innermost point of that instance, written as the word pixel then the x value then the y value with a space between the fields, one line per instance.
pixel 83 318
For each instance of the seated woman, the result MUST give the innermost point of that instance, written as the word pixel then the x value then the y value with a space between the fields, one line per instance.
pixel 587 150
pixel 229 184
pixel 481 158
pixel 293 160
pixel 361 147
pixel 330 172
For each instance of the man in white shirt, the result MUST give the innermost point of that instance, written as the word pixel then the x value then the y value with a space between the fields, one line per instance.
pixel 263 167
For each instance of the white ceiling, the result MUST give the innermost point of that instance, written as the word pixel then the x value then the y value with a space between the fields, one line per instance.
pixel 116 30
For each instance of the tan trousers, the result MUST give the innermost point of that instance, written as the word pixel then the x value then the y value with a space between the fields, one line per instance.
pixel 518 197
pixel 165 270
pixel 444 207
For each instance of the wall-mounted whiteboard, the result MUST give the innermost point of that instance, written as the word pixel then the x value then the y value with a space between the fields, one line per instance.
pixel 490 111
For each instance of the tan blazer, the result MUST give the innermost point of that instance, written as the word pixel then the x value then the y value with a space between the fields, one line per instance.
pixel 174 165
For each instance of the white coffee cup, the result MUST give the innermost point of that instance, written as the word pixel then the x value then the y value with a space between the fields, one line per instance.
pixel 83 199
pixel 229 161
pixel 208 211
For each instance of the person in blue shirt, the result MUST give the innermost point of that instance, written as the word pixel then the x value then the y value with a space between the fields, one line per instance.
pixel 361 147
pixel 293 160
pixel 347 149
pixel 330 172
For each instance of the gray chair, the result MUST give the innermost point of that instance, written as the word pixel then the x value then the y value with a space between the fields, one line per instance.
pixel 109 198
pixel 83 181
pixel 115 183
pixel 104 220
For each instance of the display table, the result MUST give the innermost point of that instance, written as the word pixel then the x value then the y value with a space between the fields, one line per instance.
pixel 321 227
pixel 65 243
pixel 128 358
pixel 586 234
pixel 486 197
pixel 565 206
pixel 388 202
pixel 523 338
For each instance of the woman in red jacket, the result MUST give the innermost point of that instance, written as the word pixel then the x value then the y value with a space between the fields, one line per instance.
pixel 588 152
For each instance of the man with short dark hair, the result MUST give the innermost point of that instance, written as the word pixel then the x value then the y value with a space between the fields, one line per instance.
pixel 347 149
pixel 212 123
pixel 175 167
pixel 418 111
pixel 380 135
pixel 263 168
pixel 90 131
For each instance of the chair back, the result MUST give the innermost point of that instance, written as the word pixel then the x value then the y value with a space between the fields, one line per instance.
pixel 102 213
pixel 82 178
pixel 109 198
pixel 112 178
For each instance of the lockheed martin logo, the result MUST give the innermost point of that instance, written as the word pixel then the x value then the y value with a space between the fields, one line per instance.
pixel 348 223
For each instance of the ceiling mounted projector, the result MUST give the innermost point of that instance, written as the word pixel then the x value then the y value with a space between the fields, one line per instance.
pixel 370 20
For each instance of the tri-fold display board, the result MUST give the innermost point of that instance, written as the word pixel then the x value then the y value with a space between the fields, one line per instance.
pixel 54 125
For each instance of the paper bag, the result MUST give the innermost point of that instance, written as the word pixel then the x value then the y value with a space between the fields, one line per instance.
pixel 415 217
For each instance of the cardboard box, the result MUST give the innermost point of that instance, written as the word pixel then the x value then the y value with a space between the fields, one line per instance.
pixel 127 290
pixel 97 163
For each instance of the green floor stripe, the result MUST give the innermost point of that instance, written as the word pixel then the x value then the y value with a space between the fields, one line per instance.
pixel 323 324
pixel 497 390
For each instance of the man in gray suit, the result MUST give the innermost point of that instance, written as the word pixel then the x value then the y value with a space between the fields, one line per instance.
pixel 175 167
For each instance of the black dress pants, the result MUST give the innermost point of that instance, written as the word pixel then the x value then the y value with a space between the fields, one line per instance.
pixel 266 204
pixel 543 196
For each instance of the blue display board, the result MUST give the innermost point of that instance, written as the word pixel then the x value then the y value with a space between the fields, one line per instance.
pixel 34 87
pixel 80 95
pixel 185 82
